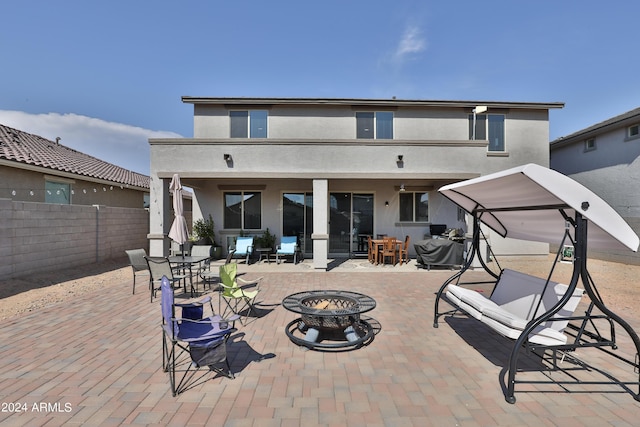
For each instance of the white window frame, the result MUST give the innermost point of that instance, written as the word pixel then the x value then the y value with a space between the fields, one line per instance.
pixel 633 132
pixel 590 144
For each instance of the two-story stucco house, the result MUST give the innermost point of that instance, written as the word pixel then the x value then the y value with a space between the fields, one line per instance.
pixel 332 170
pixel 605 157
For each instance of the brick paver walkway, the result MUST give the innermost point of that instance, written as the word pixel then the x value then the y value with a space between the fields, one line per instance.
pixel 97 361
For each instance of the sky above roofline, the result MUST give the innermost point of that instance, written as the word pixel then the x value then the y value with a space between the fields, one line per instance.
pixel 106 77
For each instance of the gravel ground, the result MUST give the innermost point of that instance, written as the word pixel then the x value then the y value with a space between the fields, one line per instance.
pixel 617 283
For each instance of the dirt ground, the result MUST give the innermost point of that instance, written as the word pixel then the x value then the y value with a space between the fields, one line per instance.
pixel 34 291
pixel 617 283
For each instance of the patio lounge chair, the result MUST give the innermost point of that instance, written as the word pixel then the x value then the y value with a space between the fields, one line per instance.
pixel 138 264
pixel 288 247
pixel 237 298
pixel 203 338
pixel 243 248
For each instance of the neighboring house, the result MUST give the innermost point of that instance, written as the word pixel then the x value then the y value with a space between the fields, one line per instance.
pixel 333 170
pixel 605 158
pixel 35 169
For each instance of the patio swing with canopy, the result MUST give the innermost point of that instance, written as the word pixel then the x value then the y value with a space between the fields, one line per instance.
pixel 534 203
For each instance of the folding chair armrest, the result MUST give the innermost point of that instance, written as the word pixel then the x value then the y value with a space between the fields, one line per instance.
pixel 198 303
pixel 249 282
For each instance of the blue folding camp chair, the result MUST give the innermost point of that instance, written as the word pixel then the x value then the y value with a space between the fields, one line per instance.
pixel 204 339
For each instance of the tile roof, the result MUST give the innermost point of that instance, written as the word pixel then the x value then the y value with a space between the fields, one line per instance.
pixel 29 149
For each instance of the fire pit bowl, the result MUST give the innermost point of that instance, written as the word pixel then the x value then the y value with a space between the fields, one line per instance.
pixel 329 319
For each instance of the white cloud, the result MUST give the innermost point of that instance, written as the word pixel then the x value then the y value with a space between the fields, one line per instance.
pixel 123 145
pixel 412 42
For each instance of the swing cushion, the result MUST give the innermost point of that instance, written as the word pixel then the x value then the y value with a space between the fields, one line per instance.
pixel 513 303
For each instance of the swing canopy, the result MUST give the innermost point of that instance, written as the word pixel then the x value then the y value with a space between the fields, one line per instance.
pixel 527 202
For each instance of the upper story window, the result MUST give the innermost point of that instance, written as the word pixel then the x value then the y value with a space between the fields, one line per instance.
pixel 374 125
pixel 489 127
pixel 590 144
pixel 414 206
pixel 248 124
pixel 243 210
pixel 633 132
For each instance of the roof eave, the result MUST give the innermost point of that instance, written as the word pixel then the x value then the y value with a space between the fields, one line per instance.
pixel 368 102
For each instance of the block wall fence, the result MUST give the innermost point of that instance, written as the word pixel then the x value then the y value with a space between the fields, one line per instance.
pixel 41 237
pixel 622 256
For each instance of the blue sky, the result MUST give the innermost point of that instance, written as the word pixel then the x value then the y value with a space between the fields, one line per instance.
pixel 106 76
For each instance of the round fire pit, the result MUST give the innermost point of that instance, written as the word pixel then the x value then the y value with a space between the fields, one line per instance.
pixel 329 319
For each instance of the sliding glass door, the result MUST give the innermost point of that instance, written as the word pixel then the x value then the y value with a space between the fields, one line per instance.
pixel 297 218
pixel 350 222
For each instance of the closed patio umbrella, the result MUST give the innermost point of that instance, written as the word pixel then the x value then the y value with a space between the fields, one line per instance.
pixel 179 232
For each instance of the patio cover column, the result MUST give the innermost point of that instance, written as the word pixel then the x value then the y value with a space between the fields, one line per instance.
pixel 159 217
pixel 320 235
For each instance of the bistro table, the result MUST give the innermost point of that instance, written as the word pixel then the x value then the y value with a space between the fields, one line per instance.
pixel 185 262
pixel 265 253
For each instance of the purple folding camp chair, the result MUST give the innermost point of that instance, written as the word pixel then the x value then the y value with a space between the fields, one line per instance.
pixel 203 338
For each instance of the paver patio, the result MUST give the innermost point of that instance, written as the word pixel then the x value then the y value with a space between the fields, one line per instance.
pixel 97 361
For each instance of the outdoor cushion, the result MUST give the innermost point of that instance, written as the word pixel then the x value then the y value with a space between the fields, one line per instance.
pixel 287 248
pixel 514 302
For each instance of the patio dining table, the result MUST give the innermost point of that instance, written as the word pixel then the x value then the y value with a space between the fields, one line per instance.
pixel 379 243
pixel 187 262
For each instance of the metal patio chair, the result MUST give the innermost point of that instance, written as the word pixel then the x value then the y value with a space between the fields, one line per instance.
pixel 159 267
pixel 288 247
pixel 243 248
pixel 138 264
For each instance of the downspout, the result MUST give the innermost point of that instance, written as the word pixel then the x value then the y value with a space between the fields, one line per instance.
pixel 97 232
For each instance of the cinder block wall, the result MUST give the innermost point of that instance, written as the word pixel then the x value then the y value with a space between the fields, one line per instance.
pixel 622 256
pixel 40 237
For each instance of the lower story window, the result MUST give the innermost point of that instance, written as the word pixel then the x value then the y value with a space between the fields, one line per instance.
pixel 414 207
pixel 243 210
pixel 57 192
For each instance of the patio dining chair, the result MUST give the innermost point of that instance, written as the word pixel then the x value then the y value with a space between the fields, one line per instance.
pixel 237 298
pixel 388 249
pixel 138 264
pixel 159 267
pixel 204 271
pixel 204 339
pixel 403 250
pixel 288 247
pixel 372 253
